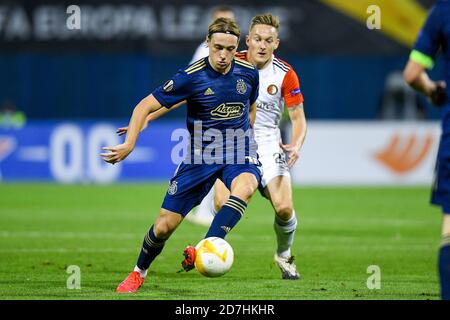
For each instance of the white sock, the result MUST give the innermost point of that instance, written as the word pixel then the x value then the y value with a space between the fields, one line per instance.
pixel 143 273
pixel 285 231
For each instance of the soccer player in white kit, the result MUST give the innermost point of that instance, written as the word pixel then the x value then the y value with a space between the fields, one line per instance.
pixel 279 88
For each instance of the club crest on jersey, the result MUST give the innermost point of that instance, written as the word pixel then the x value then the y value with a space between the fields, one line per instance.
pixel 173 188
pixel 241 86
pixel 272 89
pixel 228 110
pixel 168 86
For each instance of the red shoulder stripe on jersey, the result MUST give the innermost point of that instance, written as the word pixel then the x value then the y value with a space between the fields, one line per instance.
pixel 241 55
pixel 283 62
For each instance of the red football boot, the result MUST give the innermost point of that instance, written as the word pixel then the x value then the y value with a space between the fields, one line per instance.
pixel 189 255
pixel 131 283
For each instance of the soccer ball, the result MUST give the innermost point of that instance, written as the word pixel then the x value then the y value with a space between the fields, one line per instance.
pixel 214 257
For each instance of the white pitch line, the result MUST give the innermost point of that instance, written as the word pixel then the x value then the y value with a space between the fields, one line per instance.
pixel 71 251
pixel 52 234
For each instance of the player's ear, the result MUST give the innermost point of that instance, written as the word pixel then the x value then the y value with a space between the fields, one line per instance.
pixel 277 43
pixel 247 40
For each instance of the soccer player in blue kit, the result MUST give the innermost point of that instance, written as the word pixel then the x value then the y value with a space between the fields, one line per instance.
pixel 220 91
pixel 434 35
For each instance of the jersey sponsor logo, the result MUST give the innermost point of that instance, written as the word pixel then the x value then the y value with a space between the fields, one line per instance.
pixel 404 154
pixel 270 107
pixel 272 89
pixel 173 188
pixel 168 86
pixel 208 92
pixel 241 86
pixel 228 110
pixel 295 92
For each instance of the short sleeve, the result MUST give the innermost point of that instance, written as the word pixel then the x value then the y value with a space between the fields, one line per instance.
pixel 174 90
pixel 290 89
pixel 428 40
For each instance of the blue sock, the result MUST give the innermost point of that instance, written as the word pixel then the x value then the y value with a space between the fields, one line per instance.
pixel 151 248
pixel 444 268
pixel 227 217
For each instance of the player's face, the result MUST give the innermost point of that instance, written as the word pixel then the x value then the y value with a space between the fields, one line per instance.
pixel 222 48
pixel 262 41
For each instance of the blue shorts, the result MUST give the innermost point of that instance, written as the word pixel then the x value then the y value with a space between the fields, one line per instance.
pixel 441 183
pixel 192 182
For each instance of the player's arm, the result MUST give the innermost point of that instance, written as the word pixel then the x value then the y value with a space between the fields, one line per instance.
pixel 422 57
pixel 252 111
pixel 416 76
pixel 151 117
pixel 120 152
pixel 293 99
pixel 298 133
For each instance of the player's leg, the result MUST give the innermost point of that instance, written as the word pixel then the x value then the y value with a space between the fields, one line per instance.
pixel 210 205
pixel 279 192
pixel 221 195
pixel 189 185
pixel 242 180
pixel 444 257
pixel 441 197
pixel 203 214
pixel 154 240
pixel 153 244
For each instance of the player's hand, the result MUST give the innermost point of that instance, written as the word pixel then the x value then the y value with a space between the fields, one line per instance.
pixel 439 96
pixel 117 153
pixel 292 153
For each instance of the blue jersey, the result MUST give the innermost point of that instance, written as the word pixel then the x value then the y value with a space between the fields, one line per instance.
pixel 217 104
pixel 435 35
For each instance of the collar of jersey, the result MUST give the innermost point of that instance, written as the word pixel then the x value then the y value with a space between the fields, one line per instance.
pixel 218 73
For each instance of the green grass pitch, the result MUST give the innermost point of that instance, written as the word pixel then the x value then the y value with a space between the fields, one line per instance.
pixel 44 228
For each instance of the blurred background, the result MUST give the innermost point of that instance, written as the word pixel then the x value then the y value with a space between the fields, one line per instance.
pixel 64 92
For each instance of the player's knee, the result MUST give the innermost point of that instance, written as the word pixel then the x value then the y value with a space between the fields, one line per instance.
pixel 246 192
pixel 284 210
pixel 163 228
pixel 219 202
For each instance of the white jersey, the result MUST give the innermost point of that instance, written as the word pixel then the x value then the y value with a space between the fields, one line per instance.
pixel 278 87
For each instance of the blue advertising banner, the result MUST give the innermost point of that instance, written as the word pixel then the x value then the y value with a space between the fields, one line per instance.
pixel 68 152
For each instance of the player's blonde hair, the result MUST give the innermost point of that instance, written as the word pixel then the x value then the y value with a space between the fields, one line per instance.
pixel 267 19
pixel 224 25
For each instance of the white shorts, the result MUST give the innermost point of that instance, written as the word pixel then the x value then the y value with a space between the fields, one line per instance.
pixel 273 160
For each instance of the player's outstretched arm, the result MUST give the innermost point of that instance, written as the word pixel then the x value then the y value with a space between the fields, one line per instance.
pixel 298 134
pixel 416 76
pixel 120 152
pixel 151 117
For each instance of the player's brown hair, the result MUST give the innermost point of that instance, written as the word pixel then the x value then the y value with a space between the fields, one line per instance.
pixel 267 19
pixel 224 25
